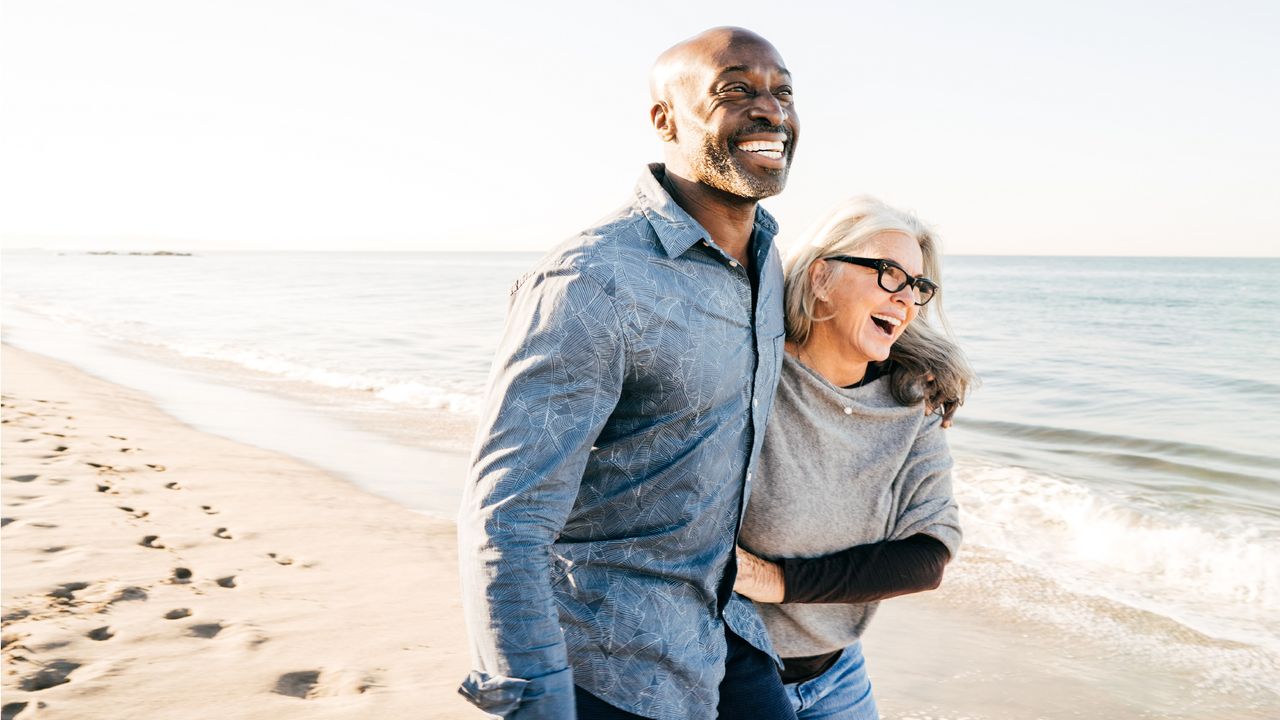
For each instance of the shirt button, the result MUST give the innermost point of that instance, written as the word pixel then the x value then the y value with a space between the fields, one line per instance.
pixel 755 402
pixel 848 411
pixel 748 478
pixel 733 263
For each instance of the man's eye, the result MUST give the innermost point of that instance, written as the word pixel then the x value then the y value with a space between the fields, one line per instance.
pixel 735 89
pixel 784 91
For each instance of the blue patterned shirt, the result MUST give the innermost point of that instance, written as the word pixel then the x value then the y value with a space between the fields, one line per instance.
pixel 627 403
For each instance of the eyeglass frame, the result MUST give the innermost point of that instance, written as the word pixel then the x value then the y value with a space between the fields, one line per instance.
pixel 880 264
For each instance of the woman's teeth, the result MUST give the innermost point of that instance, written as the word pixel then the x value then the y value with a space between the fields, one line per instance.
pixel 886 323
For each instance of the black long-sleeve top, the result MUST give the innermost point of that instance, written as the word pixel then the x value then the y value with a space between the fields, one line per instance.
pixel 863 573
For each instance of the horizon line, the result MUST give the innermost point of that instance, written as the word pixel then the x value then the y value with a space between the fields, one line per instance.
pixel 196 252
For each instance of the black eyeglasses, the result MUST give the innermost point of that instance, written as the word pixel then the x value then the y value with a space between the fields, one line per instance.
pixel 893 278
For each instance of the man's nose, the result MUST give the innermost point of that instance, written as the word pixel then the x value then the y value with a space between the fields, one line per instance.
pixel 767 108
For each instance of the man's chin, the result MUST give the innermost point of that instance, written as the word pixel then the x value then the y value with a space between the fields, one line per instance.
pixel 764 185
pixel 755 184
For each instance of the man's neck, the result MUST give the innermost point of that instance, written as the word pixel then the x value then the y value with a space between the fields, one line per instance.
pixel 728 218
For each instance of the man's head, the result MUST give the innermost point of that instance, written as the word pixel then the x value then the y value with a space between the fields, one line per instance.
pixel 722 103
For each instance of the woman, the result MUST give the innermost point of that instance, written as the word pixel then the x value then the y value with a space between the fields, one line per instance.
pixel 853 502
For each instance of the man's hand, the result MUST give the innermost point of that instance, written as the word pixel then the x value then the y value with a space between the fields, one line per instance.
pixel 759 579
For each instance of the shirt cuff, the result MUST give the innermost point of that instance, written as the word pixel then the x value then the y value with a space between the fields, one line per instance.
pixel 549 697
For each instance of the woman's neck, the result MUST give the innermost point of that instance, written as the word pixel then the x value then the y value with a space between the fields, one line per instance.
pixel 833 368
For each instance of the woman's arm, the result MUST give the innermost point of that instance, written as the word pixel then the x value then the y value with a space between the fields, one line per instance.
pixel 863 573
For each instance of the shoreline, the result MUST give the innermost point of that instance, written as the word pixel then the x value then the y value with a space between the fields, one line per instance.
pixel 323 432
pixel 167 572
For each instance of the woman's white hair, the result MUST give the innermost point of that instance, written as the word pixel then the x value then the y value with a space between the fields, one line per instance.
pixel 925 362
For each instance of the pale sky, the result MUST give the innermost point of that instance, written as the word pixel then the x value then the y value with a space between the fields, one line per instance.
pixel 1109 128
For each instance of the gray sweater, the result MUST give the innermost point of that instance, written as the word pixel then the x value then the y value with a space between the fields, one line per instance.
pixel 843 467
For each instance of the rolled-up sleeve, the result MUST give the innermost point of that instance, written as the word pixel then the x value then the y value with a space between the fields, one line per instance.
pixel 556 379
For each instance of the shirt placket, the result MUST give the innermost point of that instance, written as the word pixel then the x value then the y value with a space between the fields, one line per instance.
pixel 747 303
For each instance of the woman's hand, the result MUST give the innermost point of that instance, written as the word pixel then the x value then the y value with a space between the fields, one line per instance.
pixel 759 579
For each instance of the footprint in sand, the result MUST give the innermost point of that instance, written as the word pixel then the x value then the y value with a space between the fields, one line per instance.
pixel 310 684
pixel 157 468
pixel 181 575
pixel 67 591
pixel 280 559
pixel 128 594
pixel 10 710
pixel 222 533
pixel 4 521
pixel 23 478
pixel 173 486
pixel 205 630
pixel 152 541
pixel 15 615
pixel 106 487
pixel 298 684
pixel 117 437
pixel 100 634
pixel 226 582
pixel 177 614
pixel 208 510
pixel 54 673
pixel 136 513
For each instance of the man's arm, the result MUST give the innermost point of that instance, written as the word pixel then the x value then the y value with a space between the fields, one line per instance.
pixel 556 378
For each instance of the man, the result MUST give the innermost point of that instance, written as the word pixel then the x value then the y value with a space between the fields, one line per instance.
pixel 628 401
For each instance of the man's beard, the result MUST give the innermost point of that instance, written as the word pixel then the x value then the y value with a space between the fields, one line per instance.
pixel 716 166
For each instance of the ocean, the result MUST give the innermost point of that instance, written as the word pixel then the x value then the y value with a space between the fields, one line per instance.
pixel 1122 452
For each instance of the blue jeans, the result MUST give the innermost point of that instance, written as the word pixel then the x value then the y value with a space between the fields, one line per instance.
pixel 843 692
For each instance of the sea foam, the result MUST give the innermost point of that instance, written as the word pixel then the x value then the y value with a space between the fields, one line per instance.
pixel 1217 574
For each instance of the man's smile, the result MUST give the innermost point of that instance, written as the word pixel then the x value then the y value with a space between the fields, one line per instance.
pixel 768 150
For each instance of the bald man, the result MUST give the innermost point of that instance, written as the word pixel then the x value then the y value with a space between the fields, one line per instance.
pixel 628 401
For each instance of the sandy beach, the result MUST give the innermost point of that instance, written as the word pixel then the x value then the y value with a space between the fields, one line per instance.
pixel 154 571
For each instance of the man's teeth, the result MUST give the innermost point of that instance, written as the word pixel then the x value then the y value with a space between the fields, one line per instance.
pixel 888 318
pixel 767 148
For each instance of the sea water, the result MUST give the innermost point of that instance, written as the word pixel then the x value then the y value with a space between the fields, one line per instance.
pixel 1124 444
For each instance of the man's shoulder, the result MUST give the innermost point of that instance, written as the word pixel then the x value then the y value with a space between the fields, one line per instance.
pixel 599 251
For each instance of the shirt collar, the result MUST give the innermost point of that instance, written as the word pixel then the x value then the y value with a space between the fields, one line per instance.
pixel 676 229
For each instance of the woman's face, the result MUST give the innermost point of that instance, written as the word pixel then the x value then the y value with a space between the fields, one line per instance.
pixel 865 319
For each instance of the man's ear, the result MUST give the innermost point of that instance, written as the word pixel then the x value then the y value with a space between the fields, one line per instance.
pixel 664 122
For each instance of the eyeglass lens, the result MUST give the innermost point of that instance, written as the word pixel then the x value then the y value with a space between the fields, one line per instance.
pixel 893 279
